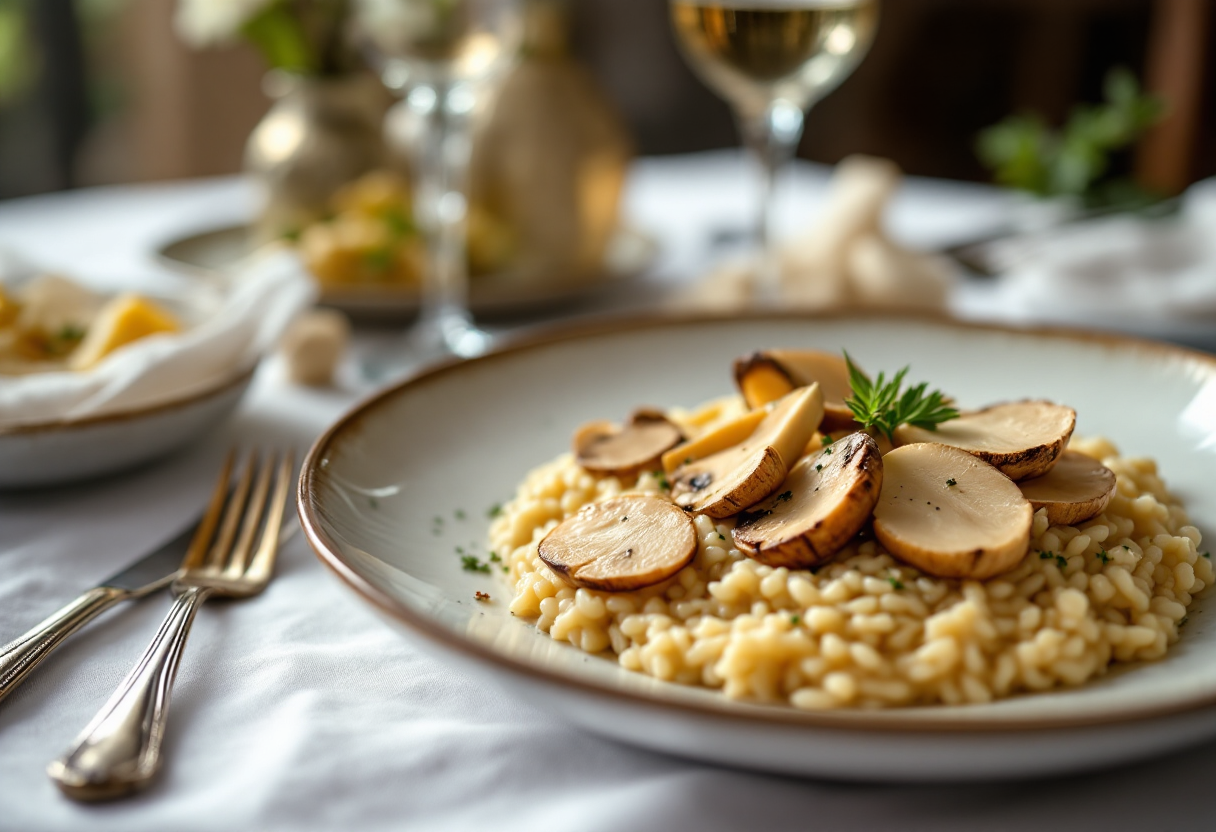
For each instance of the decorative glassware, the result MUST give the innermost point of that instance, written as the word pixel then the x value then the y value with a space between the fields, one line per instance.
pixel 320 133
pixel 444 58
pixel 771 60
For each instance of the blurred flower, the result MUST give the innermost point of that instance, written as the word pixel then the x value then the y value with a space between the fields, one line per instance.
pixel 392 24
pixel 203 23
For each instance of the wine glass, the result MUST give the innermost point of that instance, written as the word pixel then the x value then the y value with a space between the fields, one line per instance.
pixel 771 60
pixel 444 59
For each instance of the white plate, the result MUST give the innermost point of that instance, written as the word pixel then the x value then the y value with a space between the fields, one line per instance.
pixel 629 254
pixel 462 435
pixel 54 453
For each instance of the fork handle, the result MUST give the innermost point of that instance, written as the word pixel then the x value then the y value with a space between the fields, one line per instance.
pixel 19 657
pixel 119 750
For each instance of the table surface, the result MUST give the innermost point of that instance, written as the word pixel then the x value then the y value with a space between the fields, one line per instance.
pixel 301 710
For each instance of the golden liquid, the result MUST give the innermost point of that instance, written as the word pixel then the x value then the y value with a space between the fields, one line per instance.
pixel 752 52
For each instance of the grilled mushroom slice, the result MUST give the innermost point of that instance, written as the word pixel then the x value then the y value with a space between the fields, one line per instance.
pixel 1022 439
pixel 1077 488
pixel 712 441
pixel 605 448
pixel 950 514
pixel 766 376
pixel 742 475
pixel 621 544
pixel 821 506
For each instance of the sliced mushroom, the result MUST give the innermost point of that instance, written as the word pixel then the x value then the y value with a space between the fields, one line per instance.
pixel 621 544
pixel 605 448
pixel 1077 488
pixel 737 477
pixel 766 376
pixel 821 506
pixel 1022 439
pixel 742 475
pixel 712 441
pixel 950 514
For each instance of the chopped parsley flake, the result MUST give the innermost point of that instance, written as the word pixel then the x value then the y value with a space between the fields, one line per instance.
pixel 1046 555
pixel 469 563
pixel 494 558
pixel 70 332
pixel 795 620
pixel 373 502
pixel 1103 556
pixel 950 483
pixel 1207 555
pixel 494 510
pixel 826 440
pixel 437 520
pixel 664 485
pixel 896 583
pixel 786 497
pixel 721 536
pixel 459 513
pixel 818 467
pixel 1061 562
pixel 827 451
pixel 1184 620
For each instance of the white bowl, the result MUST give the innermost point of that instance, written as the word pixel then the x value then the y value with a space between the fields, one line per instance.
pixel 59 452
pixel 461 436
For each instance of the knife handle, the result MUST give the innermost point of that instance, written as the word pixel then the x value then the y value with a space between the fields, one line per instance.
pixel 18 658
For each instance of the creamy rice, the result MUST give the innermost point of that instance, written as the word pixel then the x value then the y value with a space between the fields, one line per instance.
pixel 866 630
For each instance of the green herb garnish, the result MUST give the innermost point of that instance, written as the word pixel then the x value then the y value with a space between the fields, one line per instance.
pixel 795 620
pixel 786 496
pixel 494 558
pixel 459 514
pixel 950 483
pixel 826 440
pixel 895 583
pixel 469 563
pixel 1103 556
pixel 880 405
pixel 494 510
pixel 818 467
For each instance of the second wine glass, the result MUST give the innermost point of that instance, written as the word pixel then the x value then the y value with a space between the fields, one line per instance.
pixel 771 60
pixel 444 58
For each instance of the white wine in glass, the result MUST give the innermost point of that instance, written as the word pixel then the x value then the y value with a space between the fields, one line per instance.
pixel 771 60
pixel 444 57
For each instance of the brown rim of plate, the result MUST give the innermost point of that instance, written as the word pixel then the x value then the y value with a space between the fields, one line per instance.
pixel 134 413
pixel 875 721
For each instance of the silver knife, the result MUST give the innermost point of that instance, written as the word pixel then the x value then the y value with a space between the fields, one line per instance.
pixel 148 574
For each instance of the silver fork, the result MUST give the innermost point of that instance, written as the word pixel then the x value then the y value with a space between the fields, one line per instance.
pixel 119 750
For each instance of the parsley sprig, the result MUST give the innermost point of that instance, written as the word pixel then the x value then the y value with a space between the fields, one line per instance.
pixel 881 405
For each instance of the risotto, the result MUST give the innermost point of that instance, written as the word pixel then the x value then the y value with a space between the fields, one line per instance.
pixel 866 630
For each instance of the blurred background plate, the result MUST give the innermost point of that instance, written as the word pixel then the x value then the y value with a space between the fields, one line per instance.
pixel 630 254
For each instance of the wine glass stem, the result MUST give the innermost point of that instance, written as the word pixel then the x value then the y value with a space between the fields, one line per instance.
pixel 441 194
pixel 772 137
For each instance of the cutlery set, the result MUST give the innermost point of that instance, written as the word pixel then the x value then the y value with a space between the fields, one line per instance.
pixel 229 552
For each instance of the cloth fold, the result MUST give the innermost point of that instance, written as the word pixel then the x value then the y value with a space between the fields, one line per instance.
pixel 230 323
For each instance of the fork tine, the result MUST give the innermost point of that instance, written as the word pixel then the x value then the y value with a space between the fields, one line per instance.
pixel 201 541
pixel 232 516
pixel 262 566
pixel 239 559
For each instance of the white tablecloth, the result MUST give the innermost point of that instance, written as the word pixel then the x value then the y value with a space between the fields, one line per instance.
pixel 299 710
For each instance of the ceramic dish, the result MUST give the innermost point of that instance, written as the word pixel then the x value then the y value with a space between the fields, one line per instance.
pixel 54 453
pixel 630 254
pixel 460 437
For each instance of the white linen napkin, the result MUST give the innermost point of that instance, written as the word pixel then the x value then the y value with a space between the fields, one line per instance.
pixel 230 323
pixel 1117 268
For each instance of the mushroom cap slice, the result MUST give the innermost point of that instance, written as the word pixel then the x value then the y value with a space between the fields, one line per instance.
pixel 742 475
pixel 621 544
pixel 1022 439
pixel 718 439
pixel 1077 488
pixel 605 448
pixel 766 376
pixel 822 505
pixel 977 527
